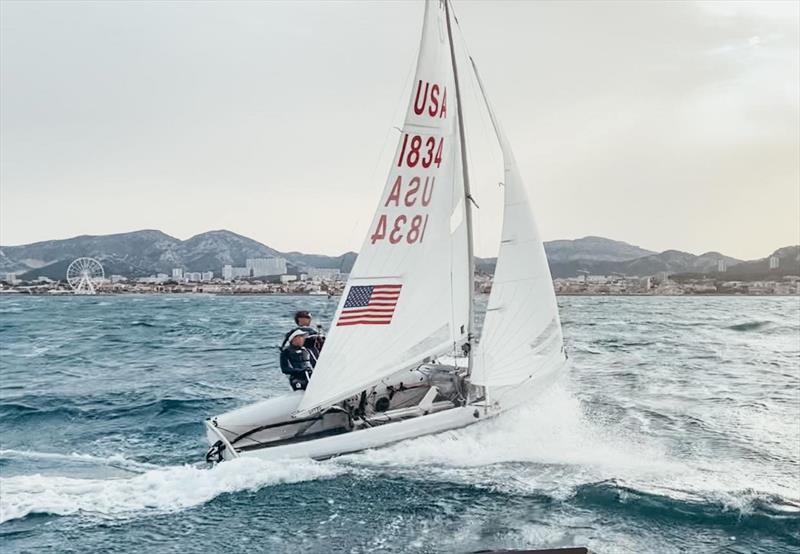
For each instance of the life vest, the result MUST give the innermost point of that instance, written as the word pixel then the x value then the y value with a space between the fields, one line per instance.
pixel 300 359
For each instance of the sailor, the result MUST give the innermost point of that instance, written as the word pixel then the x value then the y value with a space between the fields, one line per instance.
pixel 315 338
pixel 297 361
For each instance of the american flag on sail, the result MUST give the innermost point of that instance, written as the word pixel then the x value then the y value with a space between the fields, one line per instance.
pixel 369 305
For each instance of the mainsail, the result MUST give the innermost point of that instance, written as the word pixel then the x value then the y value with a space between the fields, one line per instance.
pixel 522 330
pixel 408 296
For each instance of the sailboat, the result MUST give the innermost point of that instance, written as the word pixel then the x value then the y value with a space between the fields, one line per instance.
pixel 402 358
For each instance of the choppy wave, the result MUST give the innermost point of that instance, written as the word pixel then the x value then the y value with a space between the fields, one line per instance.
pixel 115 460
pixel 154 491
pixel 750 326
pixel 143 324
pixel 566 457
pixel 569 457
pixel 24 408
pixel 744 508
pixel 678 424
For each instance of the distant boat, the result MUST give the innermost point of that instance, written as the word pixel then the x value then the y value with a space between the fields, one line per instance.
pixel 402 359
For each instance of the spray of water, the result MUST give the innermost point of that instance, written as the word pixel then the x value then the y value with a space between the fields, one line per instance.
pixel 160 490
pixel 551 447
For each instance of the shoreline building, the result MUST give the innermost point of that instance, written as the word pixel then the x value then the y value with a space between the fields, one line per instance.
pixel 231 273
pixel 324 274
pixel 266 267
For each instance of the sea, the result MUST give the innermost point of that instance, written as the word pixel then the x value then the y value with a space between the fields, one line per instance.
pixel 677 429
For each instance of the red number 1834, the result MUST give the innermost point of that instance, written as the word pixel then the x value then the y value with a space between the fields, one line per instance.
pixel 413 152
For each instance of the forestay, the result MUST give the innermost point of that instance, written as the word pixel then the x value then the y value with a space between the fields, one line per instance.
pixel 522 329
pixel 408 294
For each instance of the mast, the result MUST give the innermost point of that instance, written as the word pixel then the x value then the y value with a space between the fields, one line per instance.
pixel 467 194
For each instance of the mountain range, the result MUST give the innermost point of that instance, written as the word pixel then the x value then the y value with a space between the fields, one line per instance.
pixel 146 252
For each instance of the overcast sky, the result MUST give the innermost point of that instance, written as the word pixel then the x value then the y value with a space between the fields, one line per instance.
pixel 667 125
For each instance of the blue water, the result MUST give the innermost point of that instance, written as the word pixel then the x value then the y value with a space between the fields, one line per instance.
pixel 677 430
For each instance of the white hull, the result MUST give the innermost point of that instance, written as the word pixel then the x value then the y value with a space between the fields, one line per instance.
pixel 275 414
pixel 364 439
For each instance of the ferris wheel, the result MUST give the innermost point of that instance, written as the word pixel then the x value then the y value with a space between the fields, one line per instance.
pixel 84 274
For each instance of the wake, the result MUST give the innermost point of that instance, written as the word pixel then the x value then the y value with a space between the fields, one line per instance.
pixel 551 448
pixel 116 461
pixel 160 490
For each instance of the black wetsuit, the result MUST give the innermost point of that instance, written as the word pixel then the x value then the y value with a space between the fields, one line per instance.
pixel 297 364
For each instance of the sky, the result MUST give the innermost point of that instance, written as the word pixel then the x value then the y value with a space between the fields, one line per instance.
pixel 670 125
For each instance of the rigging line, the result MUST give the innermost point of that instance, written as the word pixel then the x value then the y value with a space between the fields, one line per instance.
pixel 236 437
pixel 452 255
pixel 485 112
pixel 465 174
pixel 327 314
pixel 471 158
pixel 481 109
pixel 515 291
pixel 456 331
pixel 486 135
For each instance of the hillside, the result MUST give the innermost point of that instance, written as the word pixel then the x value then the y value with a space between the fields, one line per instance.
pixel 788 264
pixel 146 252
pixel 568 260
pixel 593 248
pixel 141 253
pixel 568 256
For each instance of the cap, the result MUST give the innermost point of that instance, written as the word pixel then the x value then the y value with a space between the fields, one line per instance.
pixel 297 333
pixel 302 313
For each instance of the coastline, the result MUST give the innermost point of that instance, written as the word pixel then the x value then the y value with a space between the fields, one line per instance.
pixel 69 294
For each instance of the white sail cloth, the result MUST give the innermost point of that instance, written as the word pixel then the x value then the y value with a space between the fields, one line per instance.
pixel 522 329
pixel 408 294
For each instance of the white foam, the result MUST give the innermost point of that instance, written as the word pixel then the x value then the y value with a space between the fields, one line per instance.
pixel 553 448
pixel 553 431
pixel 116 460
pixel 161 490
